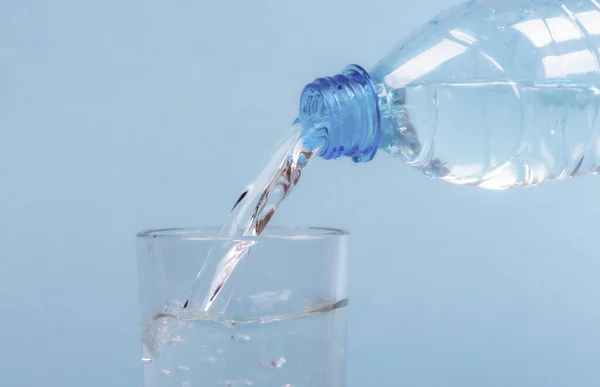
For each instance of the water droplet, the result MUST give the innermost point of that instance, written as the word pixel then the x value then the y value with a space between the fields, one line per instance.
pixel 248 382
pixel 288 385
pixel 227 383
pixel 146 360
pixel 528 12
pixel 495 10
pixel 501 27
pixel 208 360
pixel 240 338
pixel 275 363
pixel 166 372
pixel 174 340
pixel 220 351
pixel 433 22
pixel 186 384
pixel 181 368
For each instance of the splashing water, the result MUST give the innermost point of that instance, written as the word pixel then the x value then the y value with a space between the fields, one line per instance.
pixel 276 349
pixel 249 217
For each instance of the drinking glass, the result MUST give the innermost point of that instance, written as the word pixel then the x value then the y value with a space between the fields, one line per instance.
pixel 278 320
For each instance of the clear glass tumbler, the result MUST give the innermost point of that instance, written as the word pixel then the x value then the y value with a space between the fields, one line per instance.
pixel 284 323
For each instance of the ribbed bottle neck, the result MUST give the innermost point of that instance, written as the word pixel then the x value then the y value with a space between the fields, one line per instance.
pixel 343 113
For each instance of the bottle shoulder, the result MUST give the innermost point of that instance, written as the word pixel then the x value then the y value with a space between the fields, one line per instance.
pixel 499 40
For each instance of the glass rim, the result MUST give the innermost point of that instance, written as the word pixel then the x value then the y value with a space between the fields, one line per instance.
pixel 211 233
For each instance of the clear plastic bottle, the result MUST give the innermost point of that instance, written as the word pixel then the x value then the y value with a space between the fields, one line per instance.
pixel 497 94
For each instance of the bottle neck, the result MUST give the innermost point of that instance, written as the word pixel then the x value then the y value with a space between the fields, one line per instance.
pixel 340 115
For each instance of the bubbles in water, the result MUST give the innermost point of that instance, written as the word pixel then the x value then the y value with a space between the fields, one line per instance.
pixel 159 332
pixel 146 360
pixel 190 363
pixel 501 27
pixel 208 360
pixel 495 10
pixel 528 12
pixel 229 324
pixel 240 338
pixel 278 362
pixel 289 385
pixel 174 340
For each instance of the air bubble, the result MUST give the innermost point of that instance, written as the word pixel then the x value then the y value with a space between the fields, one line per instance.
pixel 181 368
pixel 208 360
pixel 166 372
pixel 278 362
pixel 174 340
pixel 146 360
pixel 240 338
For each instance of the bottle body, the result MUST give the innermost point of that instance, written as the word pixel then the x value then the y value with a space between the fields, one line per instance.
pixel 498 94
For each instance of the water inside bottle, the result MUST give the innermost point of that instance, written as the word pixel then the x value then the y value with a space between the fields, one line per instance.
pixel 496 134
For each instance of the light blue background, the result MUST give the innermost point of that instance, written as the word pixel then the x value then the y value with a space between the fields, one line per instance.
pixel 118 116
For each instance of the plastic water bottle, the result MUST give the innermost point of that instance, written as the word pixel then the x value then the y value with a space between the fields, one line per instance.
pixel 497 94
